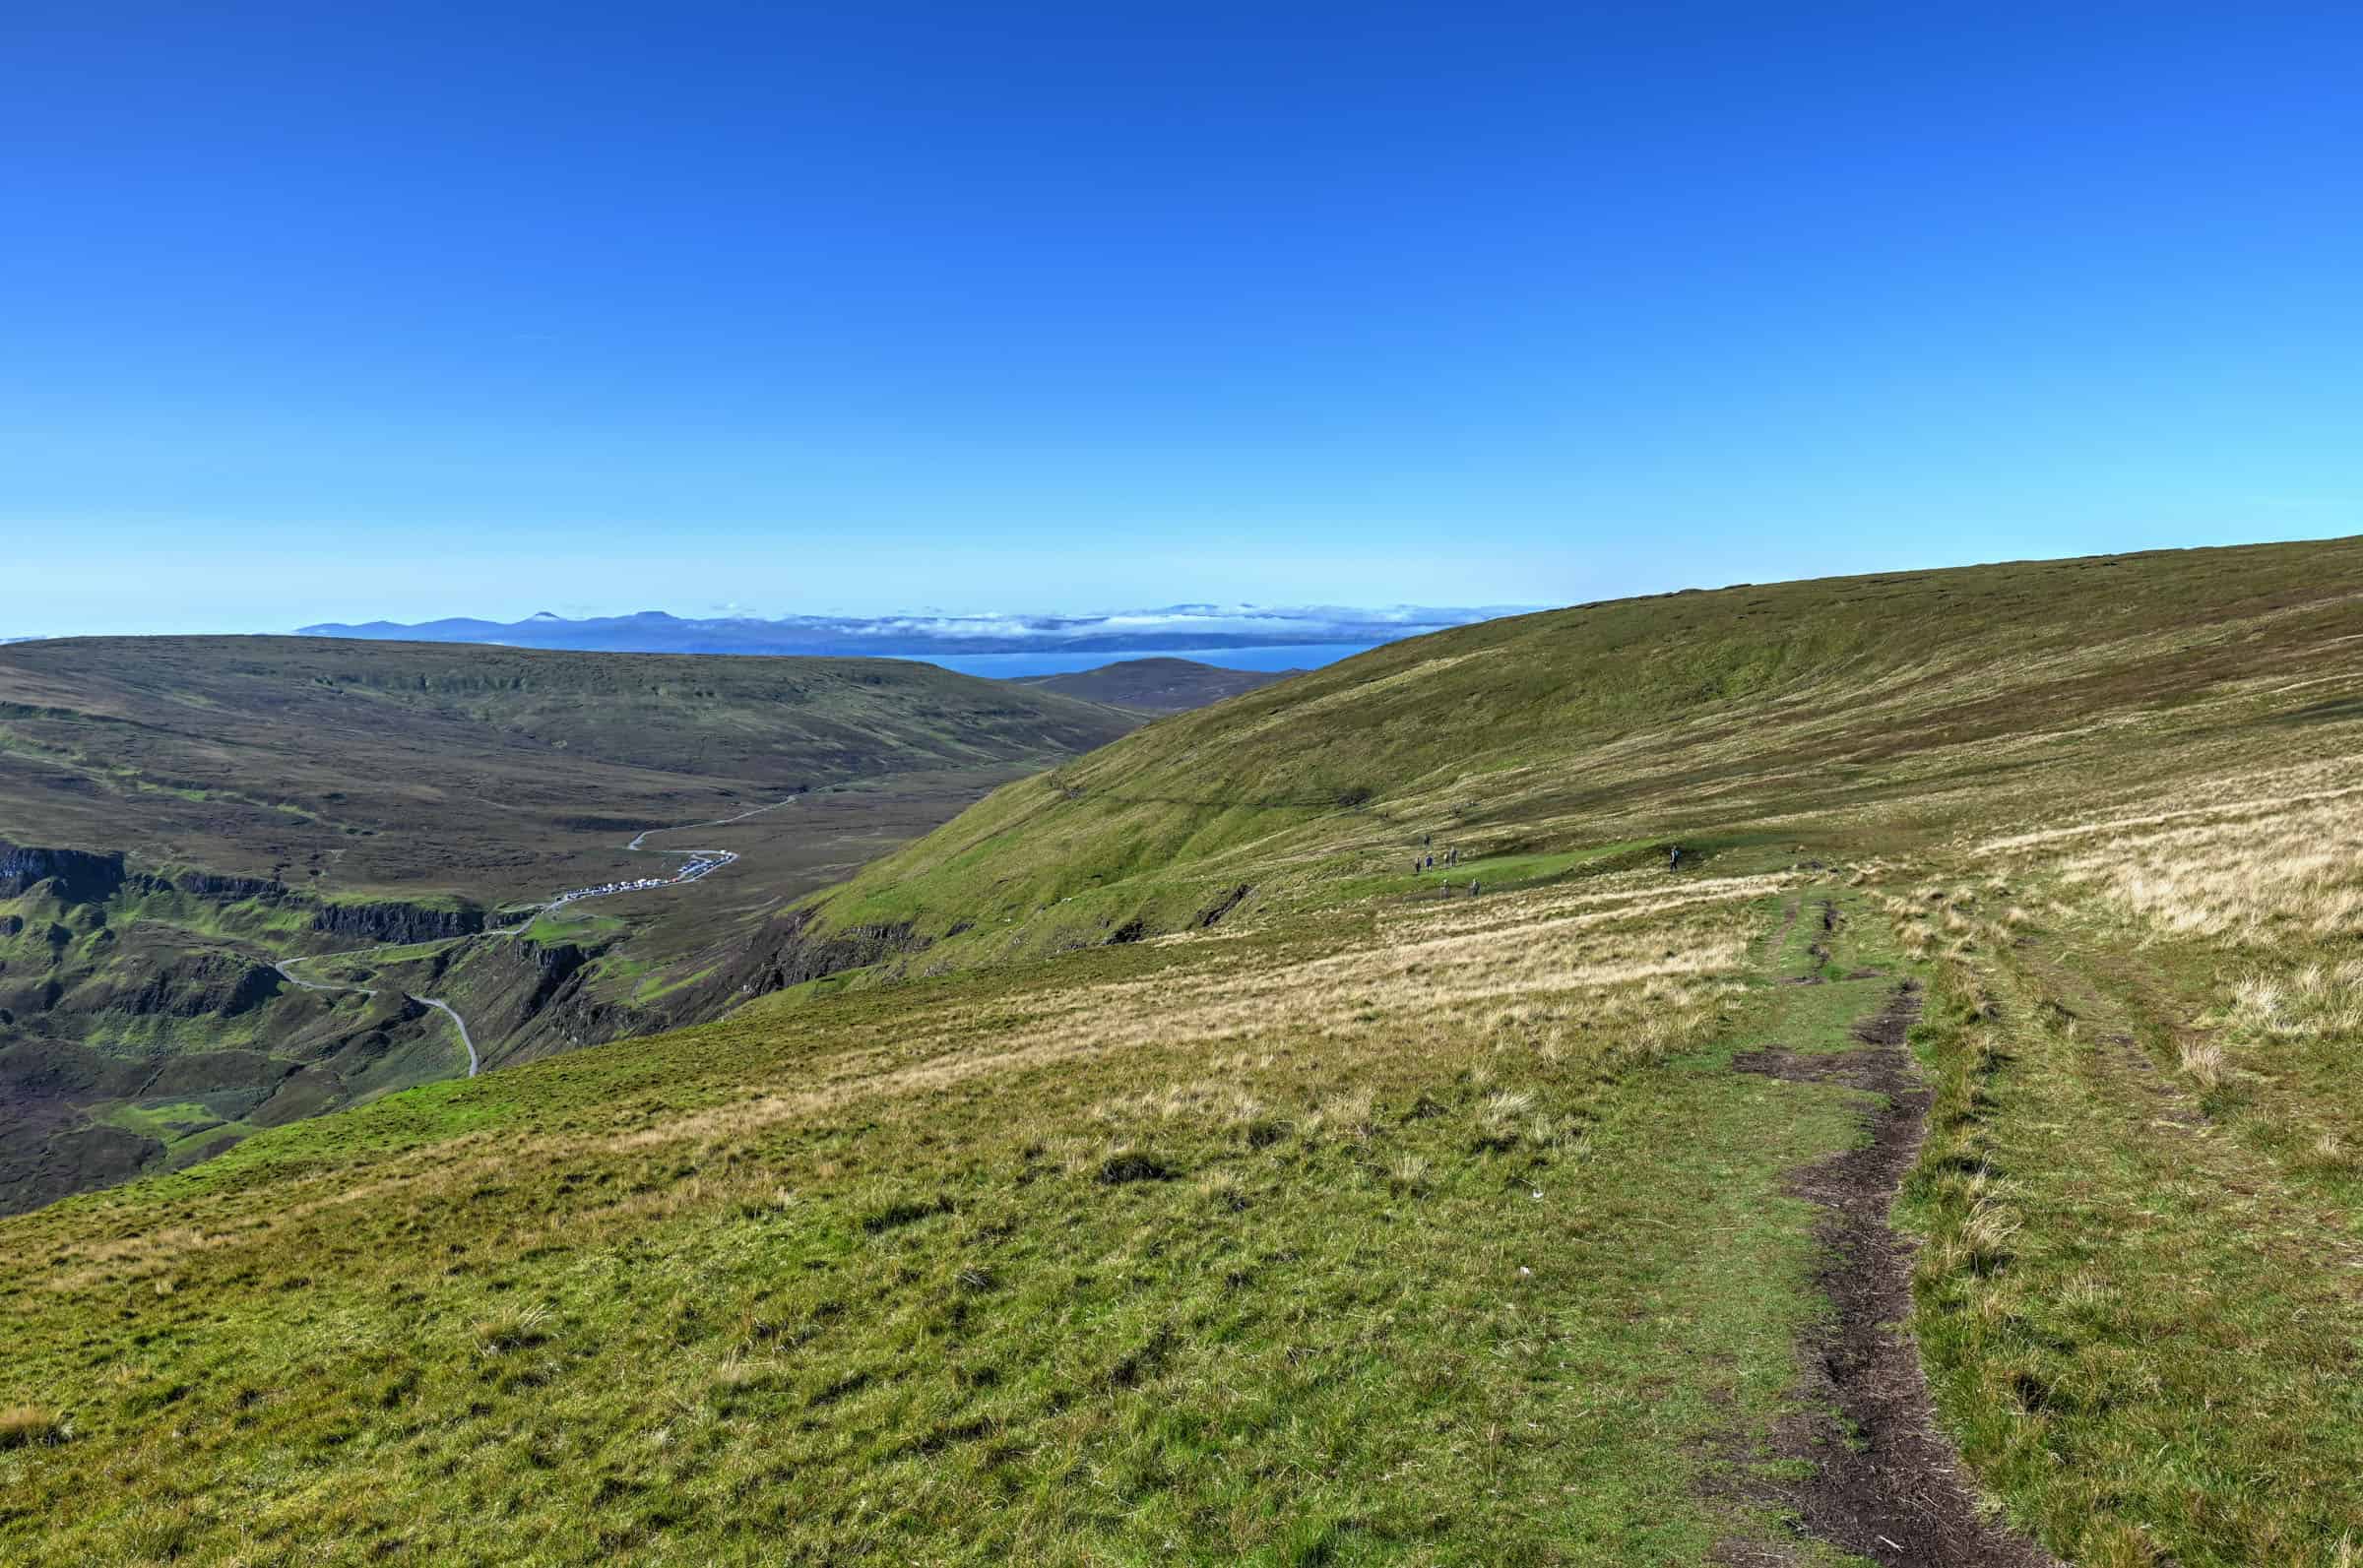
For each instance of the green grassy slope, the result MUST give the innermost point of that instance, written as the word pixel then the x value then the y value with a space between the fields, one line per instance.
pixel 1376 1221
pixel 1686 715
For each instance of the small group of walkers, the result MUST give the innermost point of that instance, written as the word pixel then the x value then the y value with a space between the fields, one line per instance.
pixel 1425 860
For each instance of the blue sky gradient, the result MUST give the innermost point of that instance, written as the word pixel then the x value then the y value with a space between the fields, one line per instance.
pixel 336 313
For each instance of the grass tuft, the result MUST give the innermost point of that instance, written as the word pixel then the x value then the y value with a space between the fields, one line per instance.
pixel 31 1427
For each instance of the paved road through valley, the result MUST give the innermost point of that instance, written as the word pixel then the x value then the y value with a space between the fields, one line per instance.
pixel 287 973
pixel 695 866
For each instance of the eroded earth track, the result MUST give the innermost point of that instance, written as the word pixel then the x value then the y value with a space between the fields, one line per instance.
pixel 1884 1482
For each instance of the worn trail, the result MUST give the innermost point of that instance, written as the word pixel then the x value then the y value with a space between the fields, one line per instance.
pixel 1886 1483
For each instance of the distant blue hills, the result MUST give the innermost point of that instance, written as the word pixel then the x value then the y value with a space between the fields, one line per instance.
pixel 1170 629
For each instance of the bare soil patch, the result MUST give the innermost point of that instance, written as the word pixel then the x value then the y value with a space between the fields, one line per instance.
pixel 1886 1483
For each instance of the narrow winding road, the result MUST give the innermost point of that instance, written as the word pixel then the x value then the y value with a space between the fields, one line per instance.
pixel 287 973
pixel 695 866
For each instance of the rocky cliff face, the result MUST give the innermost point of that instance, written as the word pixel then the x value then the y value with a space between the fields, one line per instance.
pixel 790 954
pixel 395 921
pixel 207 884
pixel 533 1000
pixel 82 876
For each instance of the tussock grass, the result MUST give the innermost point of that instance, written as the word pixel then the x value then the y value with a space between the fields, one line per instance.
pixel 30 1427
pixel 2109 1289
pixel 2321 998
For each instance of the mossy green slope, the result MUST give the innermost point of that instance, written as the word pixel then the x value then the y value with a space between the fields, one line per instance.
pixel 1377 1221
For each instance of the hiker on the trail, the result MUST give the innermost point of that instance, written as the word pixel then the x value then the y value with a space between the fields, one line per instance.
pixel 1673 857
pixel 1455 859
pixel 1472 887
pixel 1427 838
pixel 1431 862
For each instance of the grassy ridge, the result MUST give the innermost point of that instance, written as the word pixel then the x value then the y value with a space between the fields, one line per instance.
pixel 1694 715
pixel 1377 1221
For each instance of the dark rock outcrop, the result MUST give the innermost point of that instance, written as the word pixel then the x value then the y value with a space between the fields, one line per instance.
pixel 81 877
pixel 519 982
pixel 1213 914
pixel 553 966
pixel 209 885
pixel 395 921
pixel 575 1020
pixel 791 953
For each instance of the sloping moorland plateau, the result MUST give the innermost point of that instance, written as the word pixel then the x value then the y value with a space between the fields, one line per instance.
pixel 1183 1175
pixel 177 815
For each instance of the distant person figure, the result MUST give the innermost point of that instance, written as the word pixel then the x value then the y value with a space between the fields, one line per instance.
pixel 1452 856
pixel 1431 863
pixel 1472 887
pixel 1673 857
pixel 1427 838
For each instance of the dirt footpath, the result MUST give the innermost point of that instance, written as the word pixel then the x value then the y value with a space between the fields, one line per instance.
pixel 1886 1484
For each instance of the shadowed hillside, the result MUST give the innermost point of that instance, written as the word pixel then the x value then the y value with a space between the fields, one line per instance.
pixel 1953 1157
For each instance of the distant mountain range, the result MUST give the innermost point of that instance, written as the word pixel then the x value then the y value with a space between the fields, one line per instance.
pixel 1169 628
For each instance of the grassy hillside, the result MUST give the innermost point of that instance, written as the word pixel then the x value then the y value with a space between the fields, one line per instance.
pixel 1882 706
pixel 1154 685
pixel 178 814
pixel 1980 1080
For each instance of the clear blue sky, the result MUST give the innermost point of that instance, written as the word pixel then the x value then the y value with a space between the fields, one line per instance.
pixel 332 311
